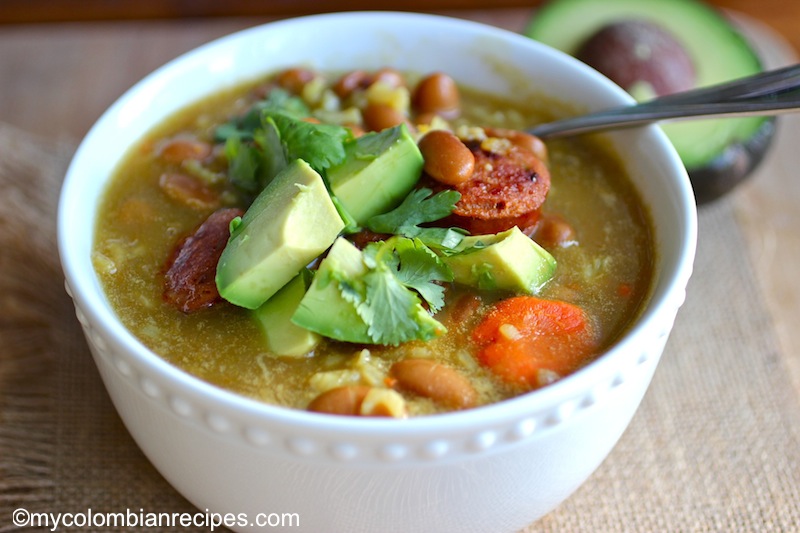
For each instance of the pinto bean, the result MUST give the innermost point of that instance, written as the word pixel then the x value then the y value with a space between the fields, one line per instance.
pixel 464 308
pixel 344 400
pixel 189 280
pixel 447 159
pixel 553 231
pixel 436 381
pixel 505 190
pixel 424 119
pixel 521 139
pixel 178 150
pixel 437 93
pixel 349 82
pixel 389 76
pixel 378 117
pixel 189 191
pixel 294 79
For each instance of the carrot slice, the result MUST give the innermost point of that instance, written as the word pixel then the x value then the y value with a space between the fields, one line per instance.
pixel 523 336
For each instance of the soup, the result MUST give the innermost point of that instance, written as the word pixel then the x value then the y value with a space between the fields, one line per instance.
pixel 372 243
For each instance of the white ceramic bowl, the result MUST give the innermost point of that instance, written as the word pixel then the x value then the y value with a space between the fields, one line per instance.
pixel 495 468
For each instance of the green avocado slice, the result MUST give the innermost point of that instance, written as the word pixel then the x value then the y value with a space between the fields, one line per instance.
pixel 329 306
pixel 719 53
pixel 378 171
pixel 323 309
pixel 291 222
pixel 283 337
pixel 509 260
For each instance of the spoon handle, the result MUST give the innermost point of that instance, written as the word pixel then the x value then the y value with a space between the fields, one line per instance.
pixel 769 81
pixel 767 93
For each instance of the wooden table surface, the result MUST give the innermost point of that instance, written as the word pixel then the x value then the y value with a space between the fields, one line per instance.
pixel 57 78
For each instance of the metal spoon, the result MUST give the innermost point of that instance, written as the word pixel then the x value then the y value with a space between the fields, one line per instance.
pixel 767 93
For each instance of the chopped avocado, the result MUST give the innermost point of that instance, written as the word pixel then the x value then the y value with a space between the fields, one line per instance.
pixel 378 171
pixel 509 260
pixel 720 147
pixel 292 221
pixel 283 337
pixel 324 309
pixel 353 301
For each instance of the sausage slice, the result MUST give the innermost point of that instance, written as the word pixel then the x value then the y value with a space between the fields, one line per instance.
pixel 189 282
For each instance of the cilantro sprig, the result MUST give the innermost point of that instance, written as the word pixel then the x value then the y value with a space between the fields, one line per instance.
pixel 419 207
pixel 404 271
pixel 415 265
pixel 401 274
pixel 244 127
pixel 280 139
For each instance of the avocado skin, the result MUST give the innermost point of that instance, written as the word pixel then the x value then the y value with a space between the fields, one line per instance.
pixel 715 166
pixel 733 166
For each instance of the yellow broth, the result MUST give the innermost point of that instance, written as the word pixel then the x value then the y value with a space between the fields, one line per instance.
pixel 138 227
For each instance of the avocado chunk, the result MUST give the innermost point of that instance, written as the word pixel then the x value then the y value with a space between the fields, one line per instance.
pixel 509 260
pixel 332 303
pixel 284 337
pixel 718 153
pixel 378 171
pixel 324 308
pixel 291 222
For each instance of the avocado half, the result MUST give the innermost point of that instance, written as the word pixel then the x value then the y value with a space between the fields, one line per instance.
pixel 718 153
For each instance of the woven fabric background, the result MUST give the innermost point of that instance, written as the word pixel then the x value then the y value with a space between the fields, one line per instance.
pixel 715 445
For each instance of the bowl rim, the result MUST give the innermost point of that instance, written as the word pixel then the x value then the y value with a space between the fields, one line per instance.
pixel 99 314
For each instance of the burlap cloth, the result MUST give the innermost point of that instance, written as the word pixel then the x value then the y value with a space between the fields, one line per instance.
pixel 714 447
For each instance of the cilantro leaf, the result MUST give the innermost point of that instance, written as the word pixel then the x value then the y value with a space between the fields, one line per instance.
pixel 281 138
pixel 390 309
pixel 319 145
pixel 244 127
pixel 384 295
pixel 420 207
pixel 416 267
pixel 252 165
pixel 417 208
pixel 243 161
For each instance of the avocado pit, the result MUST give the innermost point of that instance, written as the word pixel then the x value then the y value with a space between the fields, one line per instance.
pixel 641 57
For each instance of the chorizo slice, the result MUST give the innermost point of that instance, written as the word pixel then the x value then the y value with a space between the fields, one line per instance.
pixel 189 282
pixel 507 189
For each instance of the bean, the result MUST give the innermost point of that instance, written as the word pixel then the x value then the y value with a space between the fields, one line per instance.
pixel 447 159
pixel 522 140
pixel 464 308
pixel 349 82
pixel 294 79
pixel 358 79
pixel 345 400
pixel 135 211
pixel 189 191
pixel 553 231
pixel 178 150
pixel 389 76
pixel 378 117
pixel 424 119
pixel 433 380
pixel 438 94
